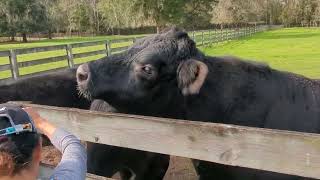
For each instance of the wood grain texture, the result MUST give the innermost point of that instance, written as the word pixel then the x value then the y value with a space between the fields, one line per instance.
pixel 86 44
pixel 119 49
pixel 5 67
pixel 272 150
pixel 4 53
pixel 42 61
pixel 91 53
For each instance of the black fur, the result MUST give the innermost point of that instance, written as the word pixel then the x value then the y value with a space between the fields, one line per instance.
pixel 54 89
pixel 235 92
pixel 107 160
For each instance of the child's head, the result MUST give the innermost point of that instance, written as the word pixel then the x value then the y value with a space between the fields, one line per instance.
pixel 19 141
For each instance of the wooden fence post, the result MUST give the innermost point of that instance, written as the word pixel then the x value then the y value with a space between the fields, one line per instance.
pixel 134 39
pixel 202 38
pixel 108 47
pixel 14 64
pixel 193 36
pixel 245 30
pixel 215 36
pixel 226 34
pixel 221 34
pixel 210 37
pixel 255 27
pixel 69 55
pixel 232 32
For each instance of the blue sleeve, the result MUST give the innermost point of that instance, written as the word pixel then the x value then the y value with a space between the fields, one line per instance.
pixel 73 165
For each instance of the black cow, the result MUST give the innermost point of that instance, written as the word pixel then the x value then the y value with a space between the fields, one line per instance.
pixel 55 89
pixel 165 75
pixel 60 89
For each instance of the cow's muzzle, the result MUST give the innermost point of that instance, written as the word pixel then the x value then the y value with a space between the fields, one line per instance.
pixel 83 75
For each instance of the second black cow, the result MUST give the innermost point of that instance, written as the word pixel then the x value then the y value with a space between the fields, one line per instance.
pixel 165 75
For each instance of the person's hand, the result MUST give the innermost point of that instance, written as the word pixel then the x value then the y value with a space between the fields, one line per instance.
pixel 35 117
pixel 41 124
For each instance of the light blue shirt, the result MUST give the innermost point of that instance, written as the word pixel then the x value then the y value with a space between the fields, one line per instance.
pixel 73 164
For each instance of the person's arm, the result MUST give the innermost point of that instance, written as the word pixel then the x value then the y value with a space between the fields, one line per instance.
pixel 73 164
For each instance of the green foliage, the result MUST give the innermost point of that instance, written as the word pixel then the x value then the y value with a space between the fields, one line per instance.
pixel 197 13
pixel 96 16
pixel 162 12
pixel 23 16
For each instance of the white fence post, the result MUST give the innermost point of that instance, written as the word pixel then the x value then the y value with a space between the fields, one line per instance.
pixel 69 55
pixel 108 46
pixel 14 64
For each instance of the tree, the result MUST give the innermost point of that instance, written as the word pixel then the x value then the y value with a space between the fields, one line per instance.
pixel 316 16
pixel 116 14
pixel 197 13
pixel 24 16
pixel 162 12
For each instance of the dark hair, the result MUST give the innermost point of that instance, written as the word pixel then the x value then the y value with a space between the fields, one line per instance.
pixel 16 150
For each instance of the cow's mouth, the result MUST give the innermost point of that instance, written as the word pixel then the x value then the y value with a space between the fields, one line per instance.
pixel 84 92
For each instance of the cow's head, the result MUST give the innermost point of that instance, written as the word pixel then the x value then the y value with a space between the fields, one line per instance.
pixel 156 73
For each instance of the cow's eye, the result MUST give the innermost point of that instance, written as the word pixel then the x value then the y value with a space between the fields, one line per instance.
pixel 147 69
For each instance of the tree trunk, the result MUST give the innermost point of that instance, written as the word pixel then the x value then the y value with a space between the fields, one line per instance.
pixel 49 34
pixel 12 37
pixel 158 29
pixel 24 37
pixel 119 31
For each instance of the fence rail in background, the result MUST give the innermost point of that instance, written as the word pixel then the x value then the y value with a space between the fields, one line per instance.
pixel 202 38
pixel 279 151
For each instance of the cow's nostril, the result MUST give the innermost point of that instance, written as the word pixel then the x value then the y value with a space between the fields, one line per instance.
pixel 83 77
pixel 83 73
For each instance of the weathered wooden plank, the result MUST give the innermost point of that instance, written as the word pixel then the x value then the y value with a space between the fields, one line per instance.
pixel 4 53
pixel 85 44
pixel 122 40
pixel 91 53
pixel 95 177
pixel 42 61
pixel 47 170
pixel 42 72
pixel 39 49
pixel 119 49
pixel 5 67
pixel 272 150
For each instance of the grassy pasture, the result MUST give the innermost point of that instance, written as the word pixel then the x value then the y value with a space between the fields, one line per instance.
pixel 293 49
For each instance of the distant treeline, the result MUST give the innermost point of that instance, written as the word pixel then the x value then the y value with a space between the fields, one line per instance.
pixel 25 17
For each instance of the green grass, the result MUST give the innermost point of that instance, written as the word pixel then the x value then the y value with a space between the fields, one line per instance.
pixel 44 67
pixel 294 49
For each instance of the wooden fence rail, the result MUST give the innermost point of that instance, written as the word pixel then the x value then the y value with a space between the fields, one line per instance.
pixel 265 149
pixel 202 38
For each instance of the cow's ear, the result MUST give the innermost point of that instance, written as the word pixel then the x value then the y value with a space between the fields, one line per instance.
pixel 191 76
